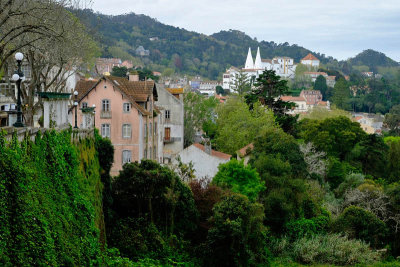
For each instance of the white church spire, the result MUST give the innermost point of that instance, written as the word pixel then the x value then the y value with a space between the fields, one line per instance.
pixel 249 61
pixel 258 63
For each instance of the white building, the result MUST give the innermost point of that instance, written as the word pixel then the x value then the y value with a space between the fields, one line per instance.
pixel 209 88
pixel 205 160
pixel 310 60
pixel 283 66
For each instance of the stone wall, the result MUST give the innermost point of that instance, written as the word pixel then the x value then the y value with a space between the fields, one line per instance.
pixel 31 132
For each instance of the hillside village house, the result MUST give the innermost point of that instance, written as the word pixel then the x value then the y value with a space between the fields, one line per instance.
pixel 170 103
pixel 105 65
pixel 310 60
pixel 125 113
pixel 330 80
pixel 307 100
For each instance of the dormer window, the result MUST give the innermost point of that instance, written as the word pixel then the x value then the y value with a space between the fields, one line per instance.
pixel 84 105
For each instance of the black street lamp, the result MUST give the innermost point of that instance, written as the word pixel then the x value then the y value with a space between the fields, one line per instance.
pixel 18 77
pixel 76 109
pixel 94 115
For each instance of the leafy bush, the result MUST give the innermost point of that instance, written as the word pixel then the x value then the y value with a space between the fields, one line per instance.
pixel 307 227
pixel 239 178
pixel 325 249
pixel 361 224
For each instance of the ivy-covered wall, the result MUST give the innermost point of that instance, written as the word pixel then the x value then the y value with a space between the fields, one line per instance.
pixel 50 202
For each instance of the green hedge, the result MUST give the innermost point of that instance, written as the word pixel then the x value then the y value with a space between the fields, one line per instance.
pixel 50 202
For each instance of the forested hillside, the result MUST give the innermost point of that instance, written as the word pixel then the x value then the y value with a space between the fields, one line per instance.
pixel 173 47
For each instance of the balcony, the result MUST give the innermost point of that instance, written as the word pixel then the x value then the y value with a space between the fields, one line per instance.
pixel 105 114
pixel 171 139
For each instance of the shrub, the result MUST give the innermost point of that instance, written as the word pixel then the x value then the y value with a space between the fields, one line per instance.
pixel 361 224
pixel 325 249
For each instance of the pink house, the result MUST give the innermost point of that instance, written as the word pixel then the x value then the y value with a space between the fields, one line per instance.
pixel 125 113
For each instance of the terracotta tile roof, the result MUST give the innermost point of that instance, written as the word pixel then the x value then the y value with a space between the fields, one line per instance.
pixel 136 91
pixel 243 151
pixel 330 78
pixel 175 90
pixel 84 86
pixel 358 118
pixel 213 152
pixel 310 57
pixel 322 103
pixel 140 90
pixel 288 98
pixel 266 60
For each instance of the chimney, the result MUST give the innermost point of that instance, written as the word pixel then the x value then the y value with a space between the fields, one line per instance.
pixel 207 147
pixel 134 76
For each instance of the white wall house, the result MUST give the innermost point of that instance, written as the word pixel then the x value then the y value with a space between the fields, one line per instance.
pixel 205 160
pixel 310 60
pixel 209 88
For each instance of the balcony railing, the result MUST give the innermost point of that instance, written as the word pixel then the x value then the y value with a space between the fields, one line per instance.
pixel 105 114
pixel 172 139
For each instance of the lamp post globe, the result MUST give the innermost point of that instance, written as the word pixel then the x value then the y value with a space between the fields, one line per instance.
pixel 94 115
pixel 19 56
pixel 15 77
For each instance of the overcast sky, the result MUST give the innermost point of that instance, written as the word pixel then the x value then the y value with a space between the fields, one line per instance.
pixel 338 28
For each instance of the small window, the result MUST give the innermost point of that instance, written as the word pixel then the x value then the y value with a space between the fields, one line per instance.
pixel 145 153
pixel 126 131
pixel 105 130
pixel 126 156
pixel 155 128
pixel 155 152
pixel 145 130
pixel 84 105
pixel 105 105
pixel 127 107
pixel 167 115
pixel 150 153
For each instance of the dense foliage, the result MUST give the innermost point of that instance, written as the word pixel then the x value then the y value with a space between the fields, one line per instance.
pixel 239 178
pixel 50 201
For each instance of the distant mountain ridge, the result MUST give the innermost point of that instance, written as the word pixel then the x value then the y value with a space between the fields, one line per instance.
pixel 186 51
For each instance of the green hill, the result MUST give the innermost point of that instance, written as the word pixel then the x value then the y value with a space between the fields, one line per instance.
pixel 182 50
pixel 373 59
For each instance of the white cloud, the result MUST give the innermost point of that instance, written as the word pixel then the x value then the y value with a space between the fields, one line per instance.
pixel 339 28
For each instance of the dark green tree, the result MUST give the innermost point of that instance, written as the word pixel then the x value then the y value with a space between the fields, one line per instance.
pixel 320 84
pixel 238 234
pixel 267 90
pixel 341 94
pixel 155 193
pixel 220 90
pixel 119 71
pixel 392 120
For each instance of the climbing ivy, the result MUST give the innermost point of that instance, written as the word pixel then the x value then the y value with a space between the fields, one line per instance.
pixel 50 202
